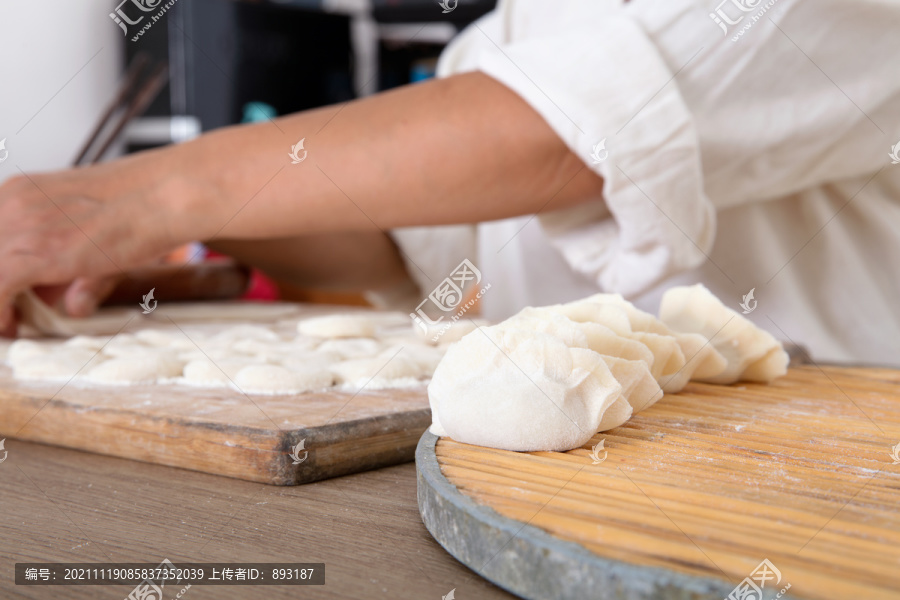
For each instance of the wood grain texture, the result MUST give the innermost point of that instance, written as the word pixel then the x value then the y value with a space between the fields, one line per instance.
pixel 220 430
pixel 67 506
pixel 709 482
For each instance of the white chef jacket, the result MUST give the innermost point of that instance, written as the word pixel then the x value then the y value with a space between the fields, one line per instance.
pixel 745 145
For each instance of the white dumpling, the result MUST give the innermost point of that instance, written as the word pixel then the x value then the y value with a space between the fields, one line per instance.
pixel 617 414
pixel 672 368
pixel 569 332
pixel 446 332
pixel 520 390
pixel 667 356
pixel 630 360
pixel 585 311
pixel 548 378
pixel 694 309
pixel 701 360
pixel 638 320
pixel 639 388
pixel 773 364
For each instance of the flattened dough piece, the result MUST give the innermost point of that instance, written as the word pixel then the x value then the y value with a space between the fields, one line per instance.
pixel 352 347
pixel 237 333
pixel 59 364
pixel 303 361
pixel 23 349
pixel 134 369
pixel 380 371
pixel 426 356
pixel 169 340
pixel 274 379
pixel 338 326
pixel 202 372
pixel 91 342
pixel 694 309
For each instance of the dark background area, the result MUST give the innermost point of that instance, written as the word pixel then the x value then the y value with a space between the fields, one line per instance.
pixel 293 56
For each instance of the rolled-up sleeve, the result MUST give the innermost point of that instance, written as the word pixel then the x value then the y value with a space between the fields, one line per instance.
pixel 591 71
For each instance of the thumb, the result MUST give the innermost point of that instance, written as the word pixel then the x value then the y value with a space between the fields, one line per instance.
pixel 85 294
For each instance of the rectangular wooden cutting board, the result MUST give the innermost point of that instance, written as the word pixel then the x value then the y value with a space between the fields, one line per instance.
pixel 221 431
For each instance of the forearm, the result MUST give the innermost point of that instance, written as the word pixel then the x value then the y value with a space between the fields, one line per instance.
pixel 463 149
pixel 460 150
pixel 345 262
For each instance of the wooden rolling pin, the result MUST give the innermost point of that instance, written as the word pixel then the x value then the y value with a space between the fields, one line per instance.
pixel 212 280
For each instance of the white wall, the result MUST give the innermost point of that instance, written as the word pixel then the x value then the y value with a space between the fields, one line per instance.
pixel 46 110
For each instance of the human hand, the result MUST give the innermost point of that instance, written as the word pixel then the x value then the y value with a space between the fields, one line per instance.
pixel 71 234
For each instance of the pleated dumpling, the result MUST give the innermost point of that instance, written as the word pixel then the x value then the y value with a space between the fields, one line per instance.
pixel 519 389
pixel 751 353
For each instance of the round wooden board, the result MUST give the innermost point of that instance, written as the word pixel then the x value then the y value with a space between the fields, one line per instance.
pixel 689 497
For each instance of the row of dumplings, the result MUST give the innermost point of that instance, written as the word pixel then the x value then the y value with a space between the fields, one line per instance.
pixel 549 378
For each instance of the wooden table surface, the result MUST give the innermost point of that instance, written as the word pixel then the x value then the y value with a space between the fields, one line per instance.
pixel 59 505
